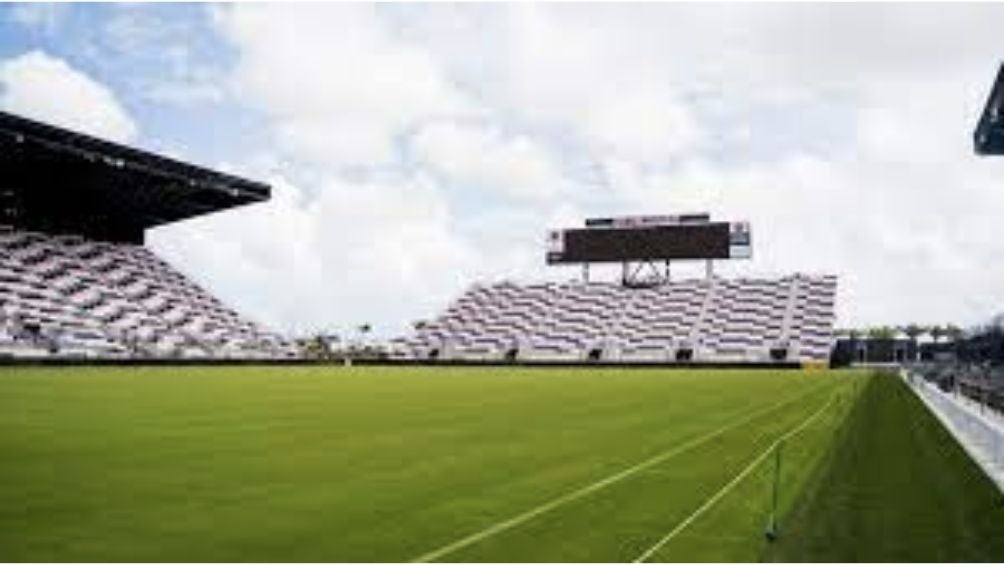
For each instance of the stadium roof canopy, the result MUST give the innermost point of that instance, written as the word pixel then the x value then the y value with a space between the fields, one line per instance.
pixel 59 181
pixel 989 135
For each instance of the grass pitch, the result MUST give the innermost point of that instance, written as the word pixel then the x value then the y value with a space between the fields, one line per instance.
pixel 400 464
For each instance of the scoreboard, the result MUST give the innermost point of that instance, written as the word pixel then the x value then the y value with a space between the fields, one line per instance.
pixel 650 238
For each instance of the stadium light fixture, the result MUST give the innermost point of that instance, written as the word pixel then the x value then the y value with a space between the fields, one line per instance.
pixel 989 135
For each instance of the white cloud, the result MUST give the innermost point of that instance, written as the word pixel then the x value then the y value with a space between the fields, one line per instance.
pixel 47 88
pixel 338 82
pixel 646 125
pixel 485 157
pixel 584 73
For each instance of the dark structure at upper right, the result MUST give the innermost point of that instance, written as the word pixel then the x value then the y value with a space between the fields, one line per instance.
pixel 989 134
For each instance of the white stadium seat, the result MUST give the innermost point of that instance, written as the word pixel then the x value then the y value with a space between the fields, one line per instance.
pixel 749 320
pixel 70 296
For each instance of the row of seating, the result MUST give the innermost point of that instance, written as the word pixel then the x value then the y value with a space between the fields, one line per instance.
pixel 783 319
pixel 981 382
pixel 72 296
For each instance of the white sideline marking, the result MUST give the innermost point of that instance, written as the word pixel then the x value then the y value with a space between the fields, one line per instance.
pixel 602 483
pixel 735 480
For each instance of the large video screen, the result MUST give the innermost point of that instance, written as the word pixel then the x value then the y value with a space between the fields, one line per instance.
pixel 713 240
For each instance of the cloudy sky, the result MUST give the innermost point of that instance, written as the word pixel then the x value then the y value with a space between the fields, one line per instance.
pixel 415 149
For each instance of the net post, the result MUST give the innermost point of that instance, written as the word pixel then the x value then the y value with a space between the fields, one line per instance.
pixel 772 525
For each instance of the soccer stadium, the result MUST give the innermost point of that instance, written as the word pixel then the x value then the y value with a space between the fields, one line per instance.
pixel 654 417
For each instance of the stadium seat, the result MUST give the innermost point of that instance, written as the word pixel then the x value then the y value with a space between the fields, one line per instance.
pixel 96 299
pixel 746 319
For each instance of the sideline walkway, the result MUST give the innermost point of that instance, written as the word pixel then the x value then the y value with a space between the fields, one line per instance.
pixel 980 431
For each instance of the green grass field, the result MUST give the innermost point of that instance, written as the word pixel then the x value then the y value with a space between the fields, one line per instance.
pixel 401 464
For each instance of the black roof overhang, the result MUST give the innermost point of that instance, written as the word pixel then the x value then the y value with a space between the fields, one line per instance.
pixel 60 178
pixel 989 135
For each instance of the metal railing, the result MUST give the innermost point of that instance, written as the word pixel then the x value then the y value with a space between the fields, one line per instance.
pixel 974 422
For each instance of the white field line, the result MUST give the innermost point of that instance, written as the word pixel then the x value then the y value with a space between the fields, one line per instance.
pixel 598 485
pixel 735 480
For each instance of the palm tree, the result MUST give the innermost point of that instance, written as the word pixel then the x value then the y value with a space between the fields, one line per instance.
pixel 881 332
pixel 937 332
pixel 913 331
pixel 314 346
pixel 362 330
pixel 954 332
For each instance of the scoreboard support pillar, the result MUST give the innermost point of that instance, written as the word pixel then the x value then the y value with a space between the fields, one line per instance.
pixel 643 274
pixel 585 272
pixel 709 269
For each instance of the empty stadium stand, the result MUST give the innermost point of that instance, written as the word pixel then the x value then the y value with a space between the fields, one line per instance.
pixel 68 295
pixel 706 320
pixel 75 278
